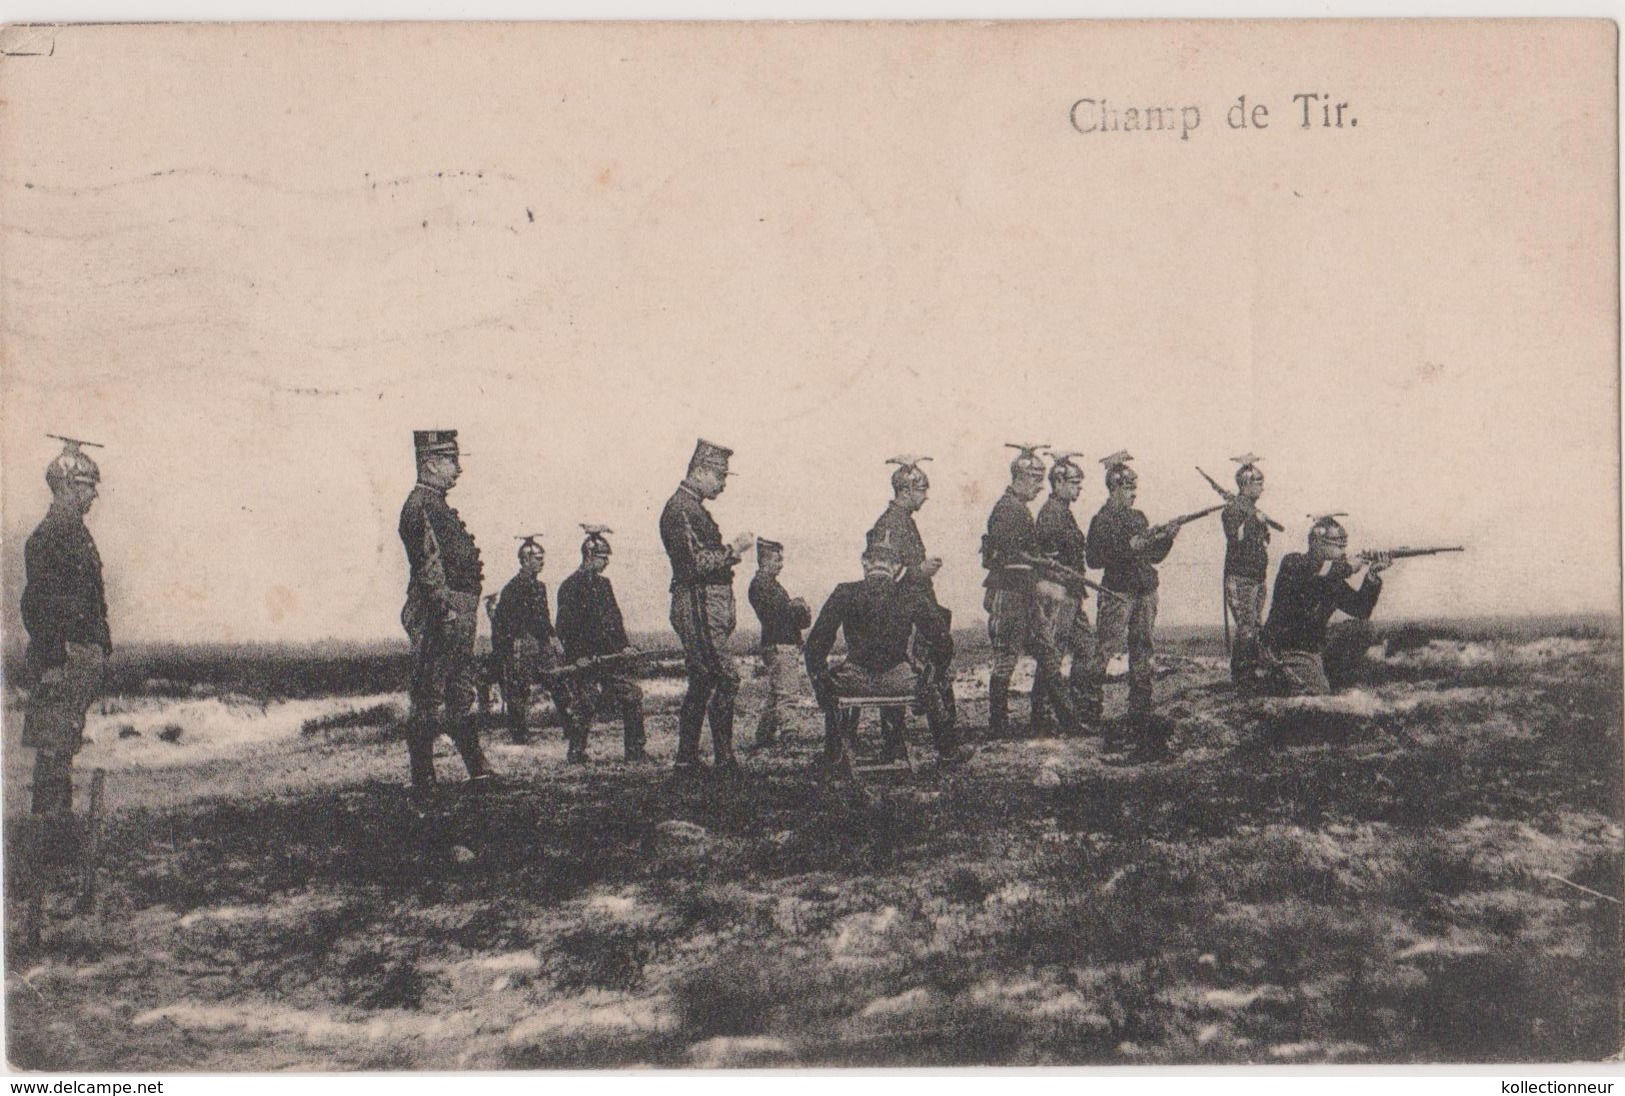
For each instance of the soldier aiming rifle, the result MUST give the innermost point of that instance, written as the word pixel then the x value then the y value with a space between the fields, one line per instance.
pixel 1303 655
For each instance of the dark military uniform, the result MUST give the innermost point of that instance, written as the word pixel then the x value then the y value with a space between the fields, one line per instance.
pixel 440 616
pixel 1009 598
pixel 897 526
pixel 702 614
pixel 1246 564
pixel 782 621
pixel 1063 623
pixel 64 609
pixel 522 639
pixel 590 626
pixel 1296 634
pixel 879 619
pixel 1128 622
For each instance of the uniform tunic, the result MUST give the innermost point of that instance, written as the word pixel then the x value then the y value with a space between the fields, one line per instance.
pixel 1058 537
pixel 1127 571
pixel 878 619
pixel 64 610
pixel 63 600
pixel 896 525
pixel 694 543
pixel 1305 600
pixel 439 547
pixel 589 620
pixel 1010 536
pixel 1247 541
pixel 782 620
pixel 522 613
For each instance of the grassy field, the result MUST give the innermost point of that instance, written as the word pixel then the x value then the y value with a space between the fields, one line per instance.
pixel 1423 869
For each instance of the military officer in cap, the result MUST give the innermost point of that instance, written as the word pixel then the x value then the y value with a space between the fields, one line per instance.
pixel 1246 564
pixel 1063 623
pixel 524 645
pixel 1119 543
pixel 702 606
pixel 783 619
pixel 1006 550
pixel 1310 587
pixel 884 619
pixel 910 489
pixel 441 614
pixel 64 610
pixel 591 627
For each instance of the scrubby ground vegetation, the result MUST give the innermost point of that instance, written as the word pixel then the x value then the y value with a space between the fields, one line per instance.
pixel 1424 869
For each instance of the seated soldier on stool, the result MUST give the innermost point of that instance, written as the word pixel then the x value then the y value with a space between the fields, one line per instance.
pixel 879 616
pixel 1309 588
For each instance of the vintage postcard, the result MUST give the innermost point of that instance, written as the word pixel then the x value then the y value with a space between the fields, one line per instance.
pixel 541 546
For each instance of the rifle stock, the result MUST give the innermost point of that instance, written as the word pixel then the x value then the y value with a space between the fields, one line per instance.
pixel 1075 576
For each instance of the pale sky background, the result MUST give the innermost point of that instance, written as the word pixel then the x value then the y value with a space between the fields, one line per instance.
pixel 251 259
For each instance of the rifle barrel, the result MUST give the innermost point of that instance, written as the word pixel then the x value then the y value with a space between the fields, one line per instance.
pixel 1409 553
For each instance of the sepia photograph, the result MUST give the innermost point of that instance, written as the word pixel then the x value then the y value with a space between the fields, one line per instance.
pixel 718 546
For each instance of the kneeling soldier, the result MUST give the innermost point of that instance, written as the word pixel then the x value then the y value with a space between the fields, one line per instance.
pixel 782 618
pixel 1309 588
pixel 590 626
pixel 879 616
pixel 523 644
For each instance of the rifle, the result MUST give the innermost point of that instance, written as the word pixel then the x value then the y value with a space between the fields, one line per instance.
pixel 1230 495
pixel 1070 575
pixel 598 662
pixel 1405 553
pixel 1167 527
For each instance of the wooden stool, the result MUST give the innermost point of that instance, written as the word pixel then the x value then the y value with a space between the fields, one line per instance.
pixel 856 705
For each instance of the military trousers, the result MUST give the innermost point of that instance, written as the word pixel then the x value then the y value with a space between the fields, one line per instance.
pixel 1064 629
pixel 528 664
pixel 1296 673
pixel 1127 622
pixel 599 691
pixel 1244 598
pixel 54 725
pixel 703 618
pixel 851 680
pixel 442 689
pixel 781 669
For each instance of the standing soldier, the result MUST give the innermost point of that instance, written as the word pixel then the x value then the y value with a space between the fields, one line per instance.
pixel 910 489
pixel 441 614
pixel 1063 622
pixel 591 627
pixel 782 619
pixel 524 645
pixel 1309 587
pixel 1122 543
pixel 702 606
pixel 1009 599
pixel 64 610
pixel 1246 563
